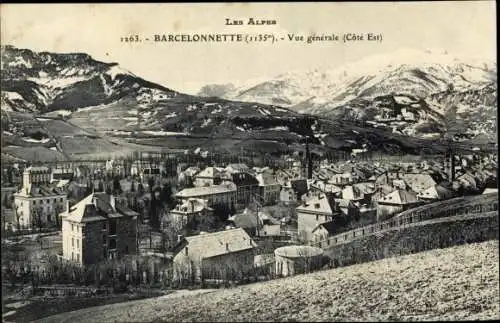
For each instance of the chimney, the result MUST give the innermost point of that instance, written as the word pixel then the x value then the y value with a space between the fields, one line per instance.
pixel 187 251
pixel 112 202
pixel 67 206
pixel 227 246
pixel 179 238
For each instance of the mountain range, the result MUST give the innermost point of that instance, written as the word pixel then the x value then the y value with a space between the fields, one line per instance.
pixel 60 106
pixel 426 86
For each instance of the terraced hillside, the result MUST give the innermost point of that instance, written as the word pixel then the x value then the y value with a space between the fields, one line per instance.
pixel 458 283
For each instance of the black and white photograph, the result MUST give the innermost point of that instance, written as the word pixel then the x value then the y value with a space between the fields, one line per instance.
pixel 249 162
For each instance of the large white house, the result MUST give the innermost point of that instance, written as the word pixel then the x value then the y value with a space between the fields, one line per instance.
pixel 38 203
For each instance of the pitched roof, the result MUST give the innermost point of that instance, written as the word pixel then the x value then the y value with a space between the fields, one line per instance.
pixel 206 190
pixel 320 203
pixel 352 193
pixel 210 172
pixel 34 190
pixel 192 205
pixel 400 197
pixel 418 182
pixel 436 192
pixel 97 207
pixel 219 243
pixel 238 168
pixel 266 179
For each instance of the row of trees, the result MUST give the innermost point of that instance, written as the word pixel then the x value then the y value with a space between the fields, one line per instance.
pixel 123 274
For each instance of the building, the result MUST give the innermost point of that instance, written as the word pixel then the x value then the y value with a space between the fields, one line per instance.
pixel 342 179
pixel 395 202
pixel 237 168
pixel 256 223
pixel 59 174
pixel 435 193
pixel 353 193
pixel 247 187
pixel 218 194
pixel 209 176
pixel 269 188
pixel 191 210
pixel 318 209
pixel 38 202
pixel 98 228
pixel 291 260
pixel 213 255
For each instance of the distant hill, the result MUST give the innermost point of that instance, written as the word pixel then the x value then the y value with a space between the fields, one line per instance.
pixel 424 85
pixel 67 105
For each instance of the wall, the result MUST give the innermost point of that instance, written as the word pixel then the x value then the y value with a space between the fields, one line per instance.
pixel 414 239
pixel 385 211
pixel 127 236
pixel 306 222
pixel 93 247
pixel 292 266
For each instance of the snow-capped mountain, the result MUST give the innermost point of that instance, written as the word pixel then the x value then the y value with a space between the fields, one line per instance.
pixel 418 73
pixel 62 105
pixel 42 82
pixel 421 87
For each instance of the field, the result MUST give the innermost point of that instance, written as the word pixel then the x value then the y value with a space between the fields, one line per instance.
pixel 458 283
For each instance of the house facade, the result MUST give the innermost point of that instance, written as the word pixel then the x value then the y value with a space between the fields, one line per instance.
pixel 394 203
pixel 316 210
pixel 98 228
pixel 214 255
pixel 38 202
pixel 269 188
pixel 218 194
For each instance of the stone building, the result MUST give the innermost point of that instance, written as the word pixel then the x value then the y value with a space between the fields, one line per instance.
pixel 395 202
pixel 269 188
pixel 315 210
pixel 291 260
pixel 38 202
pixel 215 255
pixel 98 228
pixel 218 194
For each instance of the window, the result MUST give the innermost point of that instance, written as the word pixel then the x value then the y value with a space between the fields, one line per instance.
pixel 112 244
pixel 112 226
pixel 103 239
pixel 77 243
pixel 61 200
pixel 104 226
pixel 72 242
pixel 72 227
pixel 78 256
pixel 72 256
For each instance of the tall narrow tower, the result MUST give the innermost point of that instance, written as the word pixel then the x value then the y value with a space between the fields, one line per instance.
pixel 309 161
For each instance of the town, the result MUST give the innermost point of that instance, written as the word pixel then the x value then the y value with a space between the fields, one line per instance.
pixel 177 223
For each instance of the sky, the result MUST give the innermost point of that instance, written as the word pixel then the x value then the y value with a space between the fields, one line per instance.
pixel 461 28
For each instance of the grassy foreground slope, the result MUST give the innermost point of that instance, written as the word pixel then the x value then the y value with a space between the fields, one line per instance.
pixel 457 283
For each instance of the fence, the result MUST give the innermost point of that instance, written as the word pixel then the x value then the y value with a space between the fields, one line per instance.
pixel 472 205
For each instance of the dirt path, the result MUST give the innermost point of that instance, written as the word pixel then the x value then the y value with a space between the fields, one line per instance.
pixel 458 283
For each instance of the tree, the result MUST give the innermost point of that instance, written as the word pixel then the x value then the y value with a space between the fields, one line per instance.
pixel 140 189
pixel 117 188
pixel 151 184
pixel 58 210
pixel 166 195
pixel 36 219
pixel 18 217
